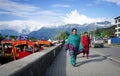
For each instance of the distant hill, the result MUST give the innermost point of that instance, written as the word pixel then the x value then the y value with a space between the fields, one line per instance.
pixel 53 32
pixel 104 23
pixel 45 33
pixel 109 32
pixel 9 32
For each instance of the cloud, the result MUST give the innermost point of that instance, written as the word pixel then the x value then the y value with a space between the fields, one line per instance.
pixel 76 18
pixel 20 25
pixel 36 18
pixel 17 9
pixel 114 1
pixel 95 3
pixel 61 5
pixel 47 16
pixel 27 11
pixel 51 19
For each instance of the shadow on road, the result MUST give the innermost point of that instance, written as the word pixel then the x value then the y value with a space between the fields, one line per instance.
pixel 103 47
pixel 97 58
pixel 96 55
pixel 91 56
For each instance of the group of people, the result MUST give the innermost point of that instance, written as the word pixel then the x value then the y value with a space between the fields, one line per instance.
pixel 77 44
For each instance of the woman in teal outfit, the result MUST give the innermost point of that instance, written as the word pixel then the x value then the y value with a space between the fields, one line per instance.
pixel 74 45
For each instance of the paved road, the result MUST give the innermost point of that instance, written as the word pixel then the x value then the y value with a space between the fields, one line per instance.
pixel 109 51
pixel 96 65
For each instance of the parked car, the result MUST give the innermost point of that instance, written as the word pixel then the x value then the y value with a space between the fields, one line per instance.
pixel 97 42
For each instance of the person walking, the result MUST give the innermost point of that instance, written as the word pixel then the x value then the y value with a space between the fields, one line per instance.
pixel 86 43
pixel 74 45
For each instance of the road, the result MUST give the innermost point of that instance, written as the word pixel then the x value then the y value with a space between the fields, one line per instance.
pixel 111 52
pixel 98 64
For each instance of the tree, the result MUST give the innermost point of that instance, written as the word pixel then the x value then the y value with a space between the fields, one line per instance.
pixel 32 38
pixel 63 35
pixel 97 32
pixel 103 32
pixel 1 36
pixel 14 37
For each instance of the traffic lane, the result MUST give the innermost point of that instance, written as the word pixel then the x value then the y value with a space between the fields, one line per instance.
pixel 109 51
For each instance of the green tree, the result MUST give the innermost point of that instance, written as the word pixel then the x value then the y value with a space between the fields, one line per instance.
pixel 63 35
pixel 32 38
pixel 109 32
pixel 14 37
pixel 1 36
pixel 97 32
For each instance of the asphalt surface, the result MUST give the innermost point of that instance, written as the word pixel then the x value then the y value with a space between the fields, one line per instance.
pixel 98 64
pixel 111 52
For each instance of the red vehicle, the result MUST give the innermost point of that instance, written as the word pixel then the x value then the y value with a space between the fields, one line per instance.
pixel 6 53
pixel 25 48
pixel 13 50
pixel 44 42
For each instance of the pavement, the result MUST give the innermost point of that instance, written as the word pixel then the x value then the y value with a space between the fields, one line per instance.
pixel 96 65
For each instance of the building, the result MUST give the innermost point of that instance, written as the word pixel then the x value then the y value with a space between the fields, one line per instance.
pixel 117 23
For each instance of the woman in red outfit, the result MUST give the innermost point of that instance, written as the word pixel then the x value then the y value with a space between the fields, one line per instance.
pixel 86 43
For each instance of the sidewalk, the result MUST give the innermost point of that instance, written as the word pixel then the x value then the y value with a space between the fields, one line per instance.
pixel 96 65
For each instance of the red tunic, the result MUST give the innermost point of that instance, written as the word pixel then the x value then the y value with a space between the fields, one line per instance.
pixel 86 42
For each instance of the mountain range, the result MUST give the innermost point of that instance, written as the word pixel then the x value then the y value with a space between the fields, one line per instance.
pixel 52 32
pixel 9 32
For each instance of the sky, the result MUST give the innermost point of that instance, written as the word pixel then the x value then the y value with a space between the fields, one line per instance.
pixel 34 14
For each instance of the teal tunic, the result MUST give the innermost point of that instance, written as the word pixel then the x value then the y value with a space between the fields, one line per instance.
pixel 75 41
pixel 74 45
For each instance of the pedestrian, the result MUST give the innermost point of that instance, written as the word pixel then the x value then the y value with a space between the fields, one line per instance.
pixel 86 43
pixel 74 45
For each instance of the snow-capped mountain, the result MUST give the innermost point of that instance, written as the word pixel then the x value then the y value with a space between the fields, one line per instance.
pixel 52 32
